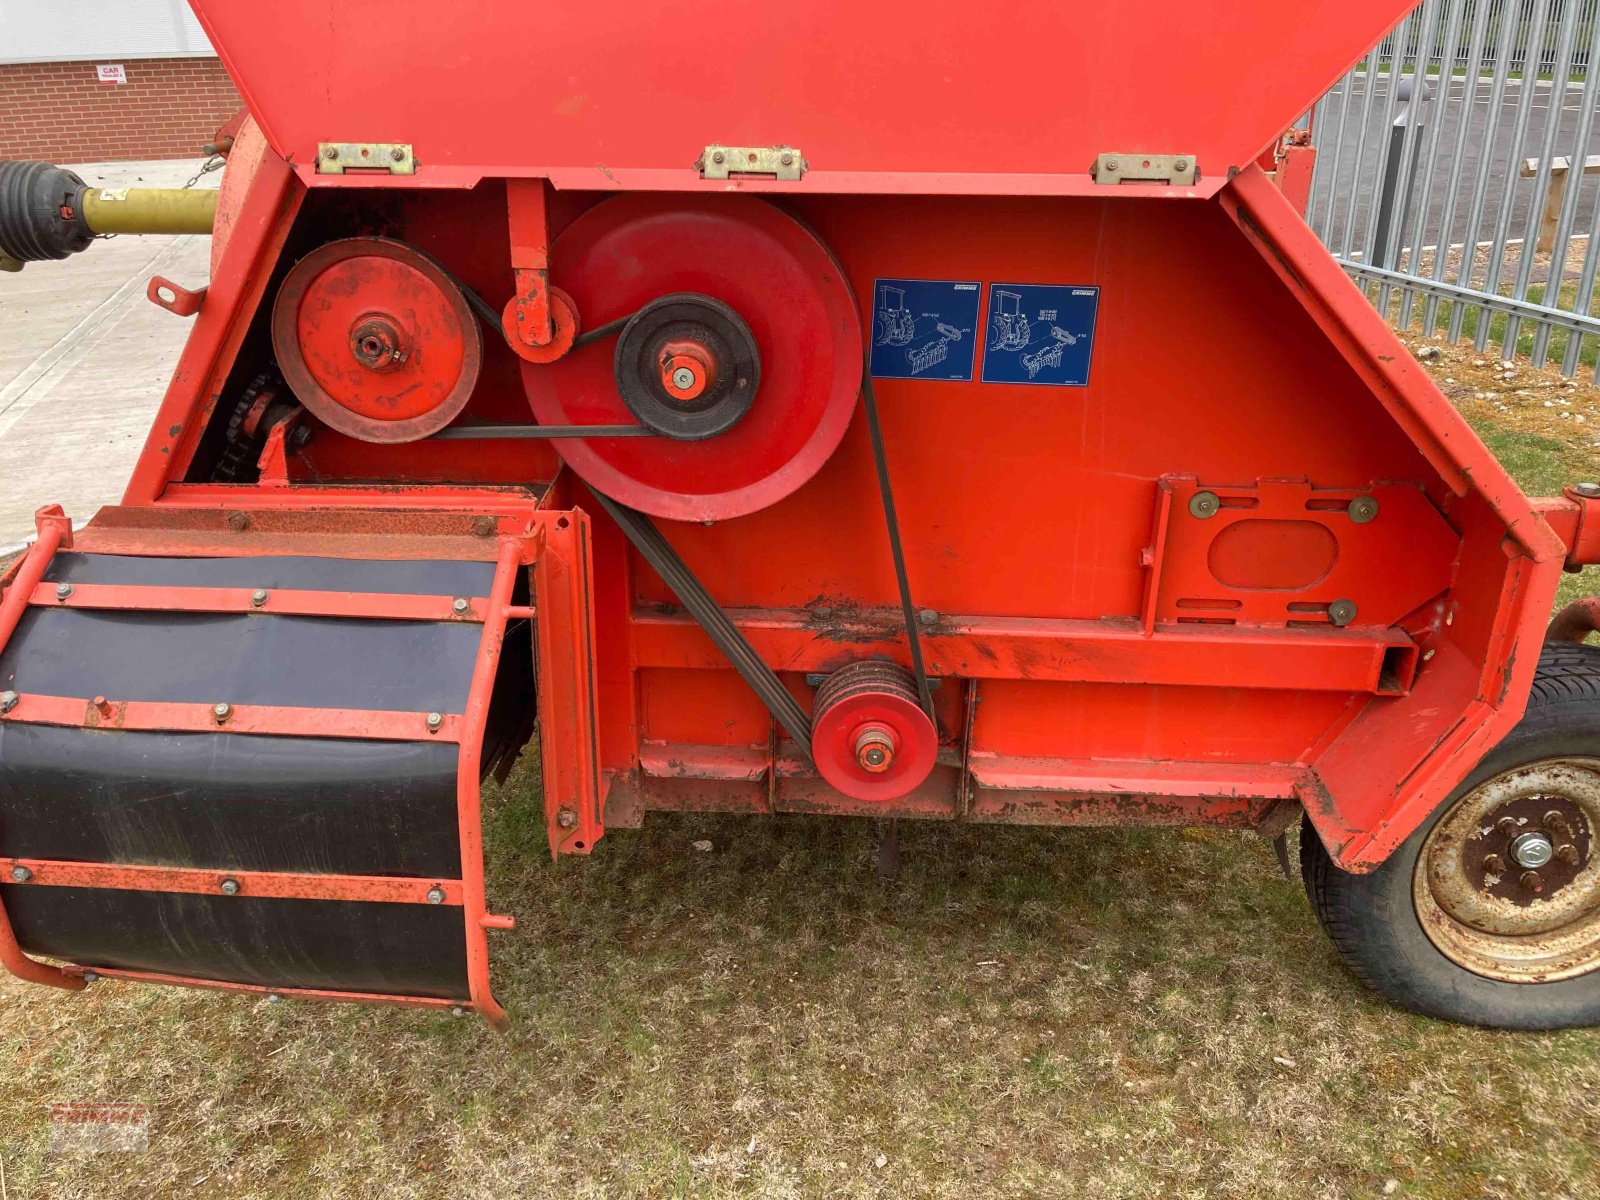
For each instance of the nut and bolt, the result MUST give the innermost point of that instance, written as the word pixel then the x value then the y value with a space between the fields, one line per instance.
pixel 718 156
pixel 238 521
pixel 1556 823
pixel 274 998
pixel 1342 612
pixel 1567 853
pixel 91 977
pixel 63 590
pixel 1181 165
pixel 397 154
pixel 21 874
pixel 1532 880
pixel 823 612
pixel 928 617
pixel 1532 849
pixel 221 712
pixel 258 597
pixel 331 152
pixel 436 895
pixel 459 605
pixel 683 379
pixel 1204 505
pixel 230 887
pixel 434 721
pixel 457 1011
pixel 1508 826
pixel 1363 509
pixel 1494 865
pixel 1589 490
pixel 484 527
pixel 1111 164
pixel 8 701
pixel 566 818
pixel 787 159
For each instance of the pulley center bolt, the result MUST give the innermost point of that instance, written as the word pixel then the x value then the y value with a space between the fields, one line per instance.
pixel 1532 849
pixel 875 748
pixel 686 370
pixel 376 343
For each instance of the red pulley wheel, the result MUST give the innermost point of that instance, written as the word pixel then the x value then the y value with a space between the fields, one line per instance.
pixel 870 738
pixel 376 340
pixel 777 278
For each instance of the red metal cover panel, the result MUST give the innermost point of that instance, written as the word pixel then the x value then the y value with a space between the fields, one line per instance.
pixel 592 94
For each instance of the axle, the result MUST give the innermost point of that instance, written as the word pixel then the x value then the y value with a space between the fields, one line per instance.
pixel 49 212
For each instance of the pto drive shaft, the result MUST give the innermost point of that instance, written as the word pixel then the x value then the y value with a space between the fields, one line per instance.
pixel 49 212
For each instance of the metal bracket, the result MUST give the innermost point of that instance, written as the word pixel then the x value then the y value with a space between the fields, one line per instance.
pixel 1177 170
pixel 779 162
pixel 335 158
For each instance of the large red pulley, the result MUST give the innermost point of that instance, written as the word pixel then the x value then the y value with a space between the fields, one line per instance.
pixel 870 738
pixel 745 355
pixel 376 340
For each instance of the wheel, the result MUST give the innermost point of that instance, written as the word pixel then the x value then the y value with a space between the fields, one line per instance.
pixel 1490 913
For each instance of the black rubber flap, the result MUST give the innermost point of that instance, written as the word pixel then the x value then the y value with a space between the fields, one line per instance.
pixel 223 800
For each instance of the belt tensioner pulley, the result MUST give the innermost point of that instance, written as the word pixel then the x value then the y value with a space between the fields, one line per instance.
pixel 743 354
pixel 376 340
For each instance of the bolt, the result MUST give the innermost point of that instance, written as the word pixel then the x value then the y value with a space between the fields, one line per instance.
pixel 1181 165
pixel 683 379
pixel 566 818
pixel 230 887
pixel 928 617
pixel 823 612
pixel 1494 865
pixel 1532 881
pixel 102 704
pixel 91 977
pixel 457 1011
pixel 484 527
pixel 63 590
pixel 787 159
pixel 1363 509
pixel 875 749
pixel 221 712
pixel 718 157
pixel 8 701
pixel 258 597
pixel 1111 164
pixel 274 998
pixel 436 895
pixel 1591 490
pixel 1567 853
pixel 238 521
pixel 434 721
pixel 1204 505
pixel 397 154
pixel 458 605
pixel 1532 849
pixel 1342 612
pixel 299 437
pixel 1555 822
pixel 21 874
pixel 331 152
pixel 1507 826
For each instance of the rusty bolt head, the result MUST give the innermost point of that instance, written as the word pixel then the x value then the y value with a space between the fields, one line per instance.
pixel 1532 880
pixel 459 605
pixel 928 617
pixel 258 597
pixel 823 612
pixel 1494 865
pixel 1589 490
pixel 1555 822
pixel 101 703
pixel 1363 509
pixel 230 887
pixel 1204 505
pixel 435 720
pixel 221 712
pixel 21 874
pixel 787 159
pixel 1507 826
pixel 397 154
pixel 63 590
pixel 436 895
pixel 238 521
pixel 1182 164
pixel 566 818
pixel 1567 853
pixel 484 527
pixel 8 701
pixel 331 152
pixel 1111 164
pixel 719 156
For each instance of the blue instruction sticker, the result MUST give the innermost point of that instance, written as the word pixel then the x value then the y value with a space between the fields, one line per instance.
pixel 924 329
pixel 1040 333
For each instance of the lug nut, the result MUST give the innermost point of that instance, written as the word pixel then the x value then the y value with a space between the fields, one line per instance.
pixel 1532 849
pixel 1556 823
pixel 1494 865
pixel 434 721
pixel 21 874
pixel 566 818
pixel 1567 853
pixel 258 597
pixel 459 605
pixel 230 887
pixel 1532 880
pixel 221 712
pixel 436 895
pixel 1507 826
pixel 63 590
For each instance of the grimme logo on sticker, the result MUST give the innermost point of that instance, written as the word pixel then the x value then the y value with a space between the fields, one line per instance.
pixel 97 1126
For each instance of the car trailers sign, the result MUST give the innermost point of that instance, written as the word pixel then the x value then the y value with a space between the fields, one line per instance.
pixel 111 73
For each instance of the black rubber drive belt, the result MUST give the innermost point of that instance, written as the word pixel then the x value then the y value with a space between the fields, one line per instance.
pixel 719 627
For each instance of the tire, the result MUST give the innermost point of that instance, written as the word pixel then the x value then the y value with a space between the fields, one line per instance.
pixel 1374 919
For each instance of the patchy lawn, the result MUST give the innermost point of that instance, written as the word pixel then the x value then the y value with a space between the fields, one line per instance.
pixel 1117 1013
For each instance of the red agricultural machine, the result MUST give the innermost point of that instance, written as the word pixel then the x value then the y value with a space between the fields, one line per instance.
pixel 536 392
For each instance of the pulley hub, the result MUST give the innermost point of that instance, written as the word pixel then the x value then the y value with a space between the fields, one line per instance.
pixel 376 340
pixel 871 739
pixel 744 353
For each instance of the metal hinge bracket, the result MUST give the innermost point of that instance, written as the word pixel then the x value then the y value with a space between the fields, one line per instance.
pixel 777 162
pixel 1178 170
pixel 335 158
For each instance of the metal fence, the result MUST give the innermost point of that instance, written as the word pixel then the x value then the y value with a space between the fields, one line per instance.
pixel 1459 187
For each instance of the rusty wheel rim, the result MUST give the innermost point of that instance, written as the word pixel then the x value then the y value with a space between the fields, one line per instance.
pixel 1497 917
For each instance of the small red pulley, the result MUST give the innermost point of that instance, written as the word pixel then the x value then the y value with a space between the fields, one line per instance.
pixel 376 340
pixel 870 738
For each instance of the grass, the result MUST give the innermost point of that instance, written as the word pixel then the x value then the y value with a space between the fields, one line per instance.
pixel 1024 1012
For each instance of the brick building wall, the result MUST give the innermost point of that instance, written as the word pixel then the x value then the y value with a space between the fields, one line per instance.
pixel 60 112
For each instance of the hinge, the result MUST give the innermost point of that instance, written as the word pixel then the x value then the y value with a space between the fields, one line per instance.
pixel 335 158
pixel 777 162
pixel 1178 170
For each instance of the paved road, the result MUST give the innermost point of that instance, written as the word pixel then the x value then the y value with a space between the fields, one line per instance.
pixel 1490 145
pixel 85 359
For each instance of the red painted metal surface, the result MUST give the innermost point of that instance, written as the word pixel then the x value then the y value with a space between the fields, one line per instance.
pixel 365 606
pixel 100 712
pixel 780 279
pixel 78 976
pixel 895 96
pixel 278 885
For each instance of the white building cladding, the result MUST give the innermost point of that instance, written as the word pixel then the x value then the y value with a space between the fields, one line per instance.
pixel 82 30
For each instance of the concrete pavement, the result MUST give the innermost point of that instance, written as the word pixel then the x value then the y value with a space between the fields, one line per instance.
pixel 85 359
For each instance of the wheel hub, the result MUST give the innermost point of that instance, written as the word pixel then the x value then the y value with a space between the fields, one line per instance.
pixel 1507 884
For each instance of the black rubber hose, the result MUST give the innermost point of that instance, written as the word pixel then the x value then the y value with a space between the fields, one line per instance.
pixel 41 214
